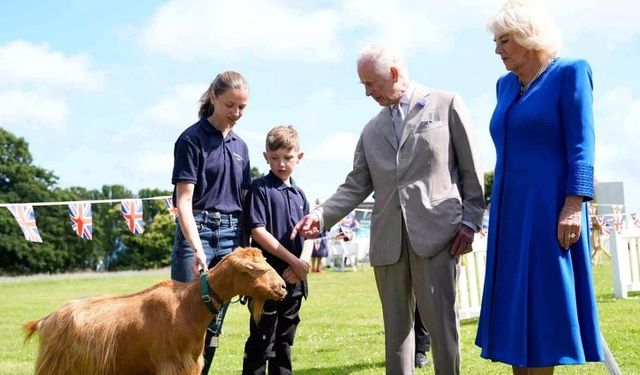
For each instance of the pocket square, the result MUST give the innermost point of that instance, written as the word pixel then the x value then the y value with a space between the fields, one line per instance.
pixel 425 123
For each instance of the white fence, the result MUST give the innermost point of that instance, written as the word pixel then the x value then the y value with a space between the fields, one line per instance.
pixel 471 279
pixel 348 254
pixel 625 253
pixel 625 260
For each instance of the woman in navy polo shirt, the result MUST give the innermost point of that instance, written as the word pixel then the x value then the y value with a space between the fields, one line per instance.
pixel 210 170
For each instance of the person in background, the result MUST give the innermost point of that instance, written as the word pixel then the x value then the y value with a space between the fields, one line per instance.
pixel 320 248
pixel 344 241
pixel 538 306
pixel 274 204
pixel 423 342
pixel 210 171
pixel 418 156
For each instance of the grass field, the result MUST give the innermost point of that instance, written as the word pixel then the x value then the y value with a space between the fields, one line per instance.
pixel 340 333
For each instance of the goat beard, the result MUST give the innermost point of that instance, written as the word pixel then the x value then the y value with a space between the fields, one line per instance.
pixel 256 306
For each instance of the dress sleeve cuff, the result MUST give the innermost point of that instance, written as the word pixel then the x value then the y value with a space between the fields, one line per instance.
pixel 580 181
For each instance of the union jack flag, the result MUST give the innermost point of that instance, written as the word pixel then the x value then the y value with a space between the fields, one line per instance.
pixel 617 222
pixel 131 210
pixel 81 219
pixel 26 218
pixel 173 211
pixel 635 219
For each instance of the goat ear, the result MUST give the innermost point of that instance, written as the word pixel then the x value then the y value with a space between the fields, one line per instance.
pixel 250 268
pixel 251 265
pixel 260 266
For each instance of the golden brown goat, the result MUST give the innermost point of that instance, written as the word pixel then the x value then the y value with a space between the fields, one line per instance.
pixel 159 330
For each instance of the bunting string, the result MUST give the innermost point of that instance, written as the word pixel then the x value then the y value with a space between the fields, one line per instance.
pixel 64 203
pixel 80 216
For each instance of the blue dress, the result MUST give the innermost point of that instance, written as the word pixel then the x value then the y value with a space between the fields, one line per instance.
pixel 538 306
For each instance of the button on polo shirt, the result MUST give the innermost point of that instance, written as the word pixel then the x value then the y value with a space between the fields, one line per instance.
pixel 217 166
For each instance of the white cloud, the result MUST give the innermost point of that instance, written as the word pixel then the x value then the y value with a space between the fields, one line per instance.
pixel 159 163
pixel 31 78
pixel 280 30
pixel 615 21
pixel 324 95
pixel 173 111
pixel 338 146
pixel 31 110
pixel 164 119
pixel 412 25
pixel 432 26
pixel 189 30
pixel 23 63
pixel 617 123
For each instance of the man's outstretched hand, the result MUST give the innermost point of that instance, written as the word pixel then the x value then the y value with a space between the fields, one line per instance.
pixel 307 227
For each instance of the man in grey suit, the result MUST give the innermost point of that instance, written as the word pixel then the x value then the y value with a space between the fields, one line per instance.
pixel 418 157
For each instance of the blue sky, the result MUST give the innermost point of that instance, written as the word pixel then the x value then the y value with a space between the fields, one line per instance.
pixel 101 90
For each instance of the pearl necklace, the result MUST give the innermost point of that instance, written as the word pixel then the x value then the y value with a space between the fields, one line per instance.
pixel 543 67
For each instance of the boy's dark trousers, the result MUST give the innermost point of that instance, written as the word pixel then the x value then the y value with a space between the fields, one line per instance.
pixel 270 341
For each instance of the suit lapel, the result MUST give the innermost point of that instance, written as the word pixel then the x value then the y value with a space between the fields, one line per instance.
pixel 417 104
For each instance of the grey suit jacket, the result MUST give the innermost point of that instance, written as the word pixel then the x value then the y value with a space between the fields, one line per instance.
pixel 432 180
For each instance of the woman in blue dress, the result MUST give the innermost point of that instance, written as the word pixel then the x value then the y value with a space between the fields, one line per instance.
pixel 538 307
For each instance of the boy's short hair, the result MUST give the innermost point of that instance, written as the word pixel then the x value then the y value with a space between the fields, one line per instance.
pixel 283 137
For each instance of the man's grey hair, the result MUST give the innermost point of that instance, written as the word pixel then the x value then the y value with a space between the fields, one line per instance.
pixel 529 24
pixel 383 58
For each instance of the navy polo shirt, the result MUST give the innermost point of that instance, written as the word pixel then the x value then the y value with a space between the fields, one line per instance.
pixel 217 166
pixel 272 204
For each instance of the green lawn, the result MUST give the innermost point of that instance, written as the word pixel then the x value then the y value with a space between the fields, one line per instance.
pixel 340 333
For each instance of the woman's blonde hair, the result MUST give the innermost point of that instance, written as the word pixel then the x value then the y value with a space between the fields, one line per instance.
pixel 529 25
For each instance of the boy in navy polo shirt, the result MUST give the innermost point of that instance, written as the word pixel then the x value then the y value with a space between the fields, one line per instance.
pixel 274 204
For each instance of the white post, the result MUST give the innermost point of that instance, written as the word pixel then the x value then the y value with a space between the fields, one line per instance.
pixel 634 262
pixel 474 285
pixel 620 264
pixel 463 292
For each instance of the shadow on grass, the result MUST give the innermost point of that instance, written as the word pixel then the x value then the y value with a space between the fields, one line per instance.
pixel 611 297
pixel 342 370
pixel 469 322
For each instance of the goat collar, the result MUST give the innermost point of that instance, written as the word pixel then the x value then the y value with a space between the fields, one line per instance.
pixel 207 299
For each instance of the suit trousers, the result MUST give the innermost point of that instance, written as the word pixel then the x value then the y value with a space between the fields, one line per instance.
pixel 430 284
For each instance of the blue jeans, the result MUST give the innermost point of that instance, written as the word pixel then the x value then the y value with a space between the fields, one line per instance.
pixel 220 234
